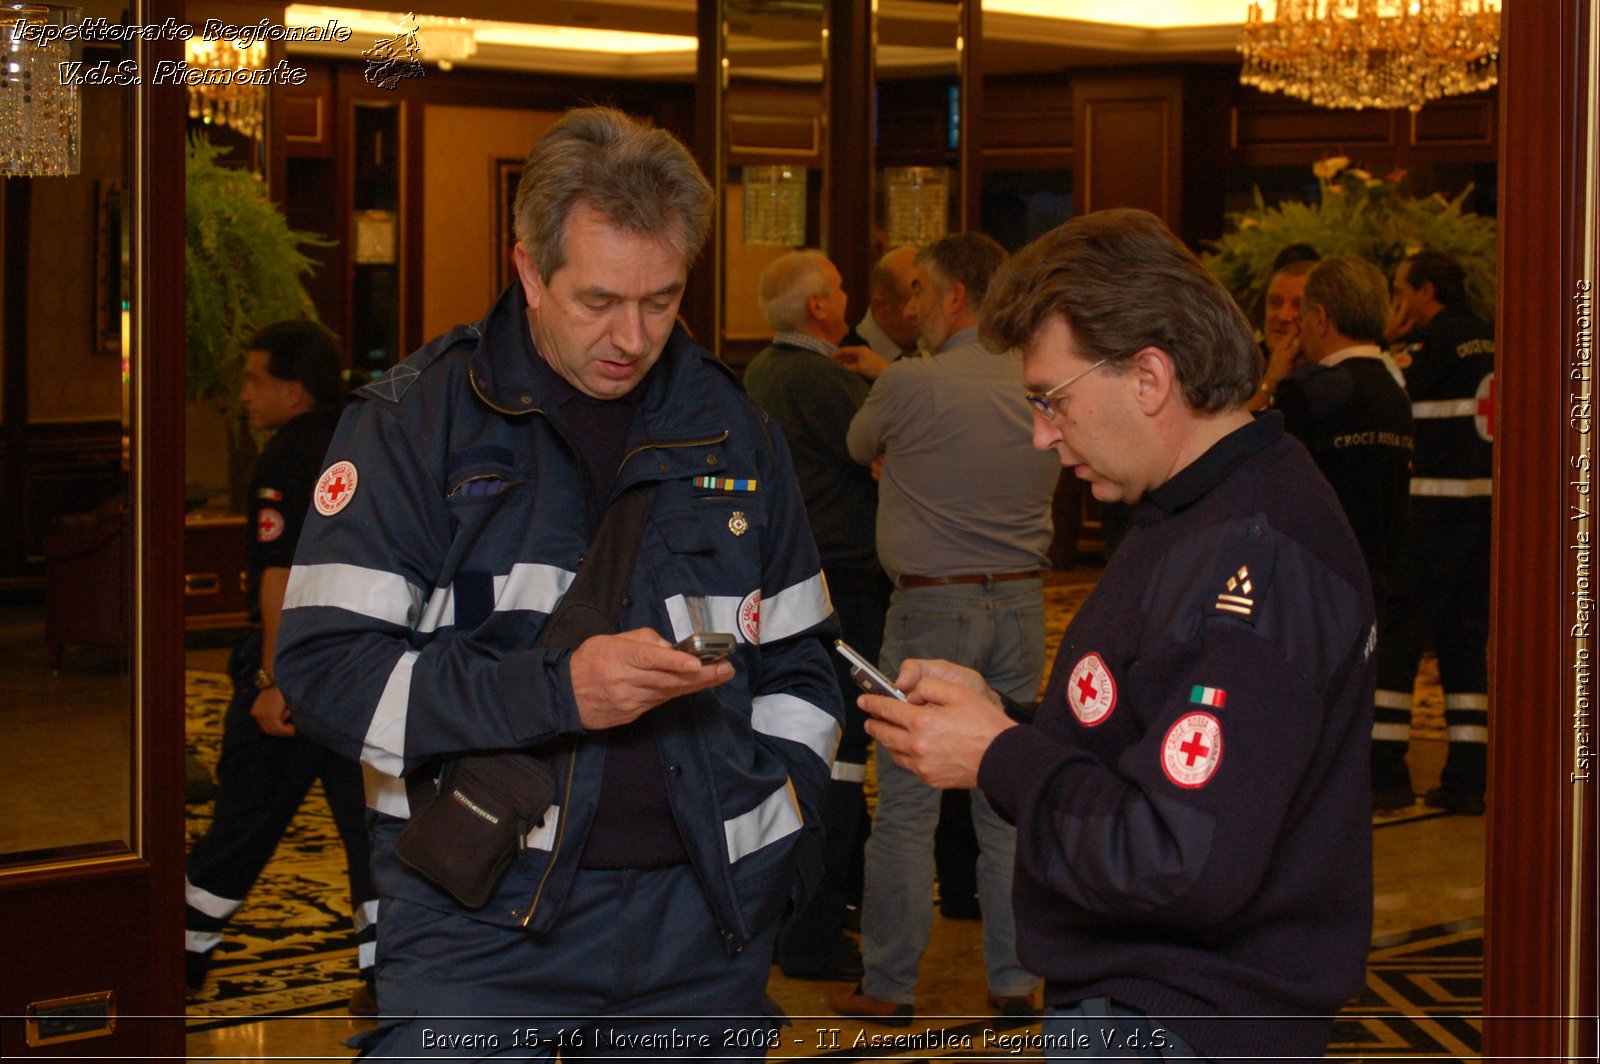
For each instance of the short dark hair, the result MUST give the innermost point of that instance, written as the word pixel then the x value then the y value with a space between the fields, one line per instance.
pixel 1123 283
pixel 641 178
pixel 972 259
pixel 1295 253
pixel 1354 294
pixel 1441 271
pixel 302 351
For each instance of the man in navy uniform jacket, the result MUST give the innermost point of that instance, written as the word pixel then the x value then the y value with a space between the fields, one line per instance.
pixel 1194 868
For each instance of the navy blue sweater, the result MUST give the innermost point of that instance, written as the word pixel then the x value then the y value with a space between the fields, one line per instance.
pixel 1191 799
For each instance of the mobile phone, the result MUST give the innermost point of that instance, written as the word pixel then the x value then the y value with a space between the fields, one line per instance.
pixel 862 671
pixel 707 646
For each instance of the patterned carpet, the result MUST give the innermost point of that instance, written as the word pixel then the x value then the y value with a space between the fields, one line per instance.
pixel 289 950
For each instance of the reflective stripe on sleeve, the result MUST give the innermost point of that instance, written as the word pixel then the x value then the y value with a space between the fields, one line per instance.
pixel 849 772
pixel 386 793
pixel 1433 408
pixel 1391 699
pixel 374 593
pixel 1450 488
pixel 721 615
pixel 795 609
pixel 777 817
pixel 1466 701
pixel 788 717
pixel 1467 733
pixel 1394 733
pixel 531 586
pixel 384 747
pixel 366 915
pixel 201 941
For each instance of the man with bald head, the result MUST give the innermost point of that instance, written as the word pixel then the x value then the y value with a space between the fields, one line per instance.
pixel 887 328
pixel 812 398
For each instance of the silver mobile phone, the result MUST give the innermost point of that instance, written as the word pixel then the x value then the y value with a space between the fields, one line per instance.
pixel 862 671
pixel 707 646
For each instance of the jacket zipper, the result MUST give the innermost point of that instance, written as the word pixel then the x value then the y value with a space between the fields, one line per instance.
pixel 572 758
pixel 561 831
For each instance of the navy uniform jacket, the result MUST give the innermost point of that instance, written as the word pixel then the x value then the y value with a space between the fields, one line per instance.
pixel 1451 382
pixel 1355 419
pixel 450 520
pixel 280 494
pixel 1192 799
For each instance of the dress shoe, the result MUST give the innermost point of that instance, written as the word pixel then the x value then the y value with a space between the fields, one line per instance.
pixel 1020 1007
pixel 1392 799
pixel 888 1013
pixel 364 1002
pixel 1455 801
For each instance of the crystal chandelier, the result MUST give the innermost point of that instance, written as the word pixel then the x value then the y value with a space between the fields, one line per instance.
pixel 39 121
pixel 228 101
pixel 1372 53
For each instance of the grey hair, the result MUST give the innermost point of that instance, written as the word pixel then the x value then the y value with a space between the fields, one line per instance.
pixel 642 179
pixel 1354 293
pixel 970 259
pixel 787 284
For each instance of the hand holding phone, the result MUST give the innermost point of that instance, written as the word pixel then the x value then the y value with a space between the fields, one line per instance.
pixel 862 671
pixel 707 646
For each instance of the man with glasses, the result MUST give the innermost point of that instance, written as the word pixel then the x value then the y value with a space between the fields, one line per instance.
pixel 963 530
pixel 1194 867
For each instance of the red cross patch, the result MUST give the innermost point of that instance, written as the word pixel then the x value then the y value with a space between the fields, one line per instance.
pixel 750 617
pixel 269 525
pixel 1091 692
pixel 1483 419
pixel 335 488
pixel 1192 750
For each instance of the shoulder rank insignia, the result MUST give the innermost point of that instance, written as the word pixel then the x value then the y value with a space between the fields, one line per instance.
pixel 726 483
pixel 1243 574
pixel 1235 597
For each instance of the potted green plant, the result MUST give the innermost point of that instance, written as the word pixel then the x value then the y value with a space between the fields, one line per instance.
pixel 243 269
pixel 1355 214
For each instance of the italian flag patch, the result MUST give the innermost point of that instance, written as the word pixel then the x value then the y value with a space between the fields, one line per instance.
pixel 1208 696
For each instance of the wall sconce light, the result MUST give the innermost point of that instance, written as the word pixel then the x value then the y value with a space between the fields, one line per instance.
pixel 39 119
pixel 775 205
pixel 916 204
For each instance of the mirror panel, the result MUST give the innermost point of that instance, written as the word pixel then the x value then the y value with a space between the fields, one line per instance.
pixel 773 116
pixel 66 697
pixel 917 70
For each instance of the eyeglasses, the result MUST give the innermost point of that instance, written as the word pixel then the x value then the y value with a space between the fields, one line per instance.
pixel 1045 405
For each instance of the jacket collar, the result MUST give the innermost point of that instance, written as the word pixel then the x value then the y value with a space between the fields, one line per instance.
pixel 1196 479
pixel 504 375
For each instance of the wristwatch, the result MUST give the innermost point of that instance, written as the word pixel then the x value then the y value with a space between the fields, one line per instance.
pixel 264 680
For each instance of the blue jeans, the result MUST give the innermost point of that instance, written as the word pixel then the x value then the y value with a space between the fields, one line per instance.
pixel 1103 1029
pixel 998 631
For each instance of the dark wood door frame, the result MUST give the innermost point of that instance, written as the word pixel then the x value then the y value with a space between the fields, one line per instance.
pixel 1532 980
pixel 116 924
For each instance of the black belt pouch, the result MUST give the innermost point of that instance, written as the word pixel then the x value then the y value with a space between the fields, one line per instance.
pixel 472 830
pixel 467 828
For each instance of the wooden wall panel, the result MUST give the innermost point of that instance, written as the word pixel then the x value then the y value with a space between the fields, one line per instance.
pixel 1129 145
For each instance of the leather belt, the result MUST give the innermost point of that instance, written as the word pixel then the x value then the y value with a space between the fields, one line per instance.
pixel 971 578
